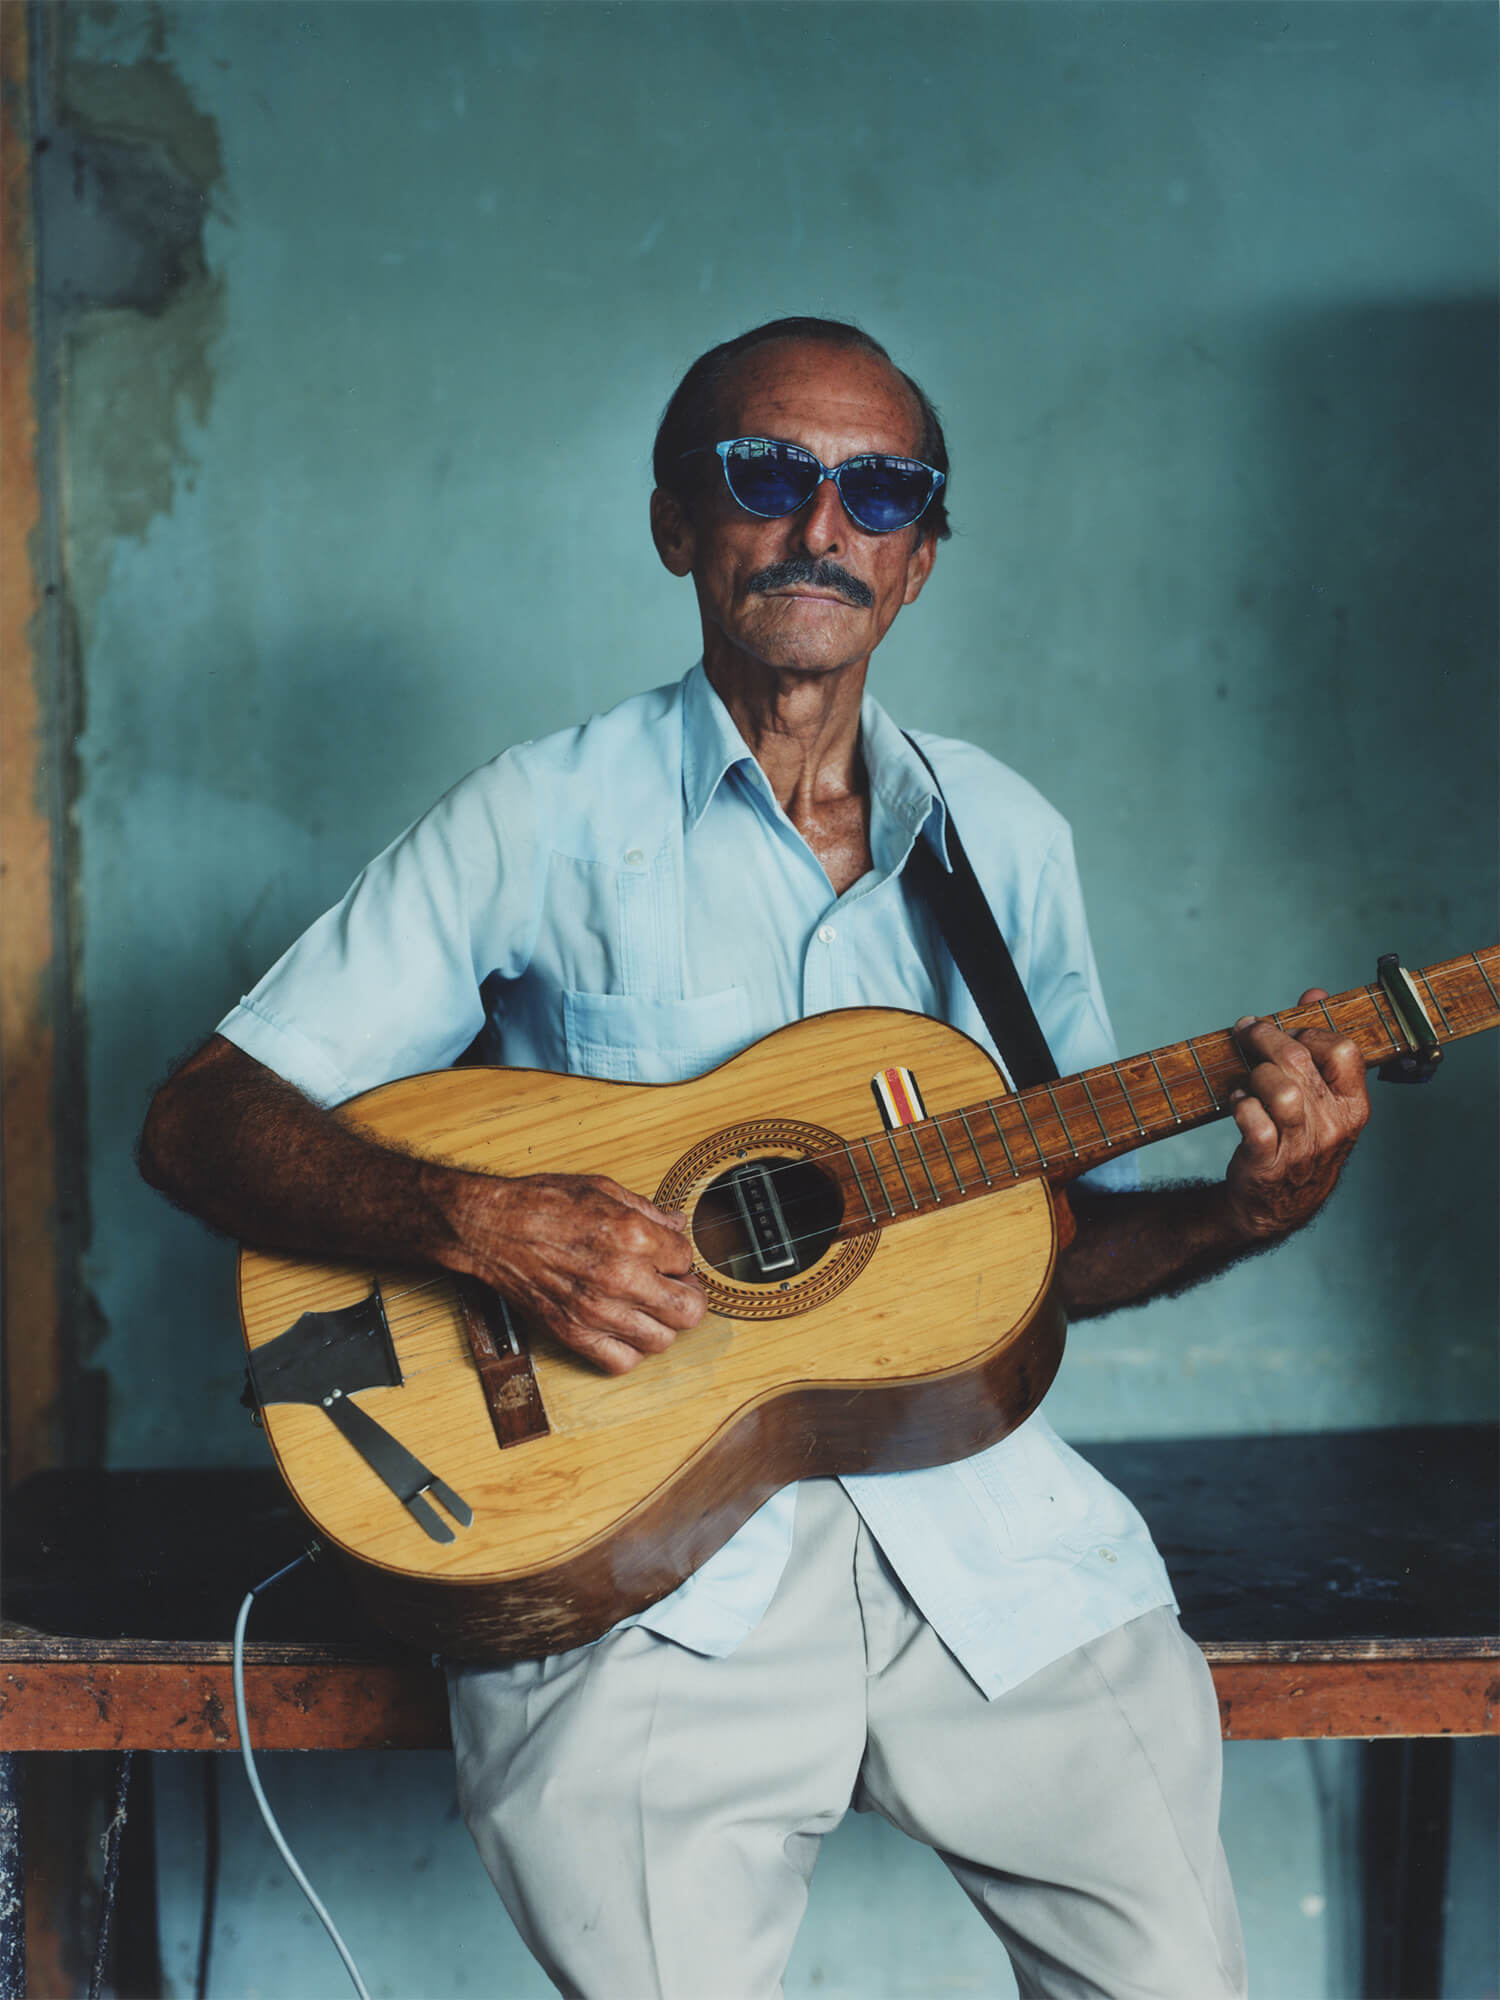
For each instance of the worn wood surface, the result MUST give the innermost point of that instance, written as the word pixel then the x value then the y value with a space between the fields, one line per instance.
pixel 1338 1535
pixel 30 1269
pixel 179 1697
pixel 1340 1585
pixel 171 1695
pixel 1408 1693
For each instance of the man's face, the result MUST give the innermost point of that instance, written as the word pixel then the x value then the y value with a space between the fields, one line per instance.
pixel 836 402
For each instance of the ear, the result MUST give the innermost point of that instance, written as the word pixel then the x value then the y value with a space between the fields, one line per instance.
pixel 919 567
pixel 672 532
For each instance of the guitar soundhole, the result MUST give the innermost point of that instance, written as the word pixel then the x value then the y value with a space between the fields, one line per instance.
pixel 764 1221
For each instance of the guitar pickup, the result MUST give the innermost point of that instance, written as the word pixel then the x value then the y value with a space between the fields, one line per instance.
pixel 760 1210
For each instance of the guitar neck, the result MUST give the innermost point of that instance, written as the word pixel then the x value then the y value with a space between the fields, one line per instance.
pixel 1056 1131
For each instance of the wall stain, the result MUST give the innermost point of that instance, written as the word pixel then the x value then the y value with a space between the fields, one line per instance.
pixel 131 175
pixel 146 103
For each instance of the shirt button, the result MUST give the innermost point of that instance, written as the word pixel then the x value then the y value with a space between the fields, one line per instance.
pixel 1109 1555
pixel 826 933
pixel 634 857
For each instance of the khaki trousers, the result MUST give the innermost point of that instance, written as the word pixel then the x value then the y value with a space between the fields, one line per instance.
pixel 651 1817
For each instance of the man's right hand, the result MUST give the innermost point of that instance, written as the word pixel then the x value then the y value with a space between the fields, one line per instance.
pixel 602 1270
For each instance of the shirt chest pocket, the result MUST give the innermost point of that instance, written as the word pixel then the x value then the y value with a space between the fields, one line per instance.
pixel 624 1038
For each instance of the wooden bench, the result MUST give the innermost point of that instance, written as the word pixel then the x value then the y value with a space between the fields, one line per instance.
pixel 1340 1585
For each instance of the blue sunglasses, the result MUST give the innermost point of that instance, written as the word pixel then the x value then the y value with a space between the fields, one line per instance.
pixel 880 493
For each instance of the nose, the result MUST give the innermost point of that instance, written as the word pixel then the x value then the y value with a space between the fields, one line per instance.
pixel 822 526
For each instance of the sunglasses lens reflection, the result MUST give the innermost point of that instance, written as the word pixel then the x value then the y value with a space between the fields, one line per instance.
pixel 880 493
pixel 771 479
pixel 885 493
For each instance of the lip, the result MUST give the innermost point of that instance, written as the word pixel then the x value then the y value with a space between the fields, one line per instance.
pixel 815 597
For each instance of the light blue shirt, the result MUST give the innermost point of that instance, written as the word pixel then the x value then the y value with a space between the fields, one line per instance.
pixel 628 900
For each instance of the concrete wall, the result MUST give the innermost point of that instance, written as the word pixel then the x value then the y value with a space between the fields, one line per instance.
pixel 362 318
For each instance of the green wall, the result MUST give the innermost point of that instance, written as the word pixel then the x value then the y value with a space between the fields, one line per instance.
pixel 1206 296
pixel 363 316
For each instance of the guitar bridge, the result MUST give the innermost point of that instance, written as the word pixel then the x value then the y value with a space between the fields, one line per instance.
pixel 504 1362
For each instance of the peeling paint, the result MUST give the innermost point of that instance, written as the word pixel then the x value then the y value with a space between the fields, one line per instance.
pixel 136 385
pixel 212 1715
pixel 147 103
pixel 128 173
pixel 98 1695
pixel 130 176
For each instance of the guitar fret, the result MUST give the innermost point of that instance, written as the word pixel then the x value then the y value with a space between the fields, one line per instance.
pixel 1213 1095
pixel 901 1169
pixel 974 1148
pixel 915 1131
pixel 1177 1116
pixel 1062 1121
pixel 885 1193
pixel 1103 1128
pixel 1020 1103
pixel 1432 996
pixel 1010 1159
pixel 1385 1015
pixel 1129 1102
pixel 1456 998
pixel 937 1126
pixel 859 1183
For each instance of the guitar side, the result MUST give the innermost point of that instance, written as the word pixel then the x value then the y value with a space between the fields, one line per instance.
pixel 945 1338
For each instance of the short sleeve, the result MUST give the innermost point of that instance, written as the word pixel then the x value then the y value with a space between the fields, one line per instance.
pixel 387 983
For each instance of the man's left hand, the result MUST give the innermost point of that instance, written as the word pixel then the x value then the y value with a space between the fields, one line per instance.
pixel 1305 1105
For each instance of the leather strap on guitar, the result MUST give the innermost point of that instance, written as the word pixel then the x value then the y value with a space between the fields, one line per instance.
pixel 979 951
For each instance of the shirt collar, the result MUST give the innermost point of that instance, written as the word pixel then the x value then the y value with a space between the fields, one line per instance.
pixel 711 745
pixel 903 799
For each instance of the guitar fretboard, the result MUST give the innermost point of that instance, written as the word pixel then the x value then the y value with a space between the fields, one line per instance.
pixel 1056 1131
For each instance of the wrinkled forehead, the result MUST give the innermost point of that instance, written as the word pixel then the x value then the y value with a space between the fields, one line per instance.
pixel 797 388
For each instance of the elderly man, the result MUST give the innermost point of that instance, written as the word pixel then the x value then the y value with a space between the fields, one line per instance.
pixel 986 1653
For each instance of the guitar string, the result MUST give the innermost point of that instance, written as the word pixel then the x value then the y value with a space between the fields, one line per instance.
pixel 1114 1088
pixel 1116 1091
pixel 425 1327
pixel 1119 1094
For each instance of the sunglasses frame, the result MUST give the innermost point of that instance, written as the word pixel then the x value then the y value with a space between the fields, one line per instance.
pixel 833 472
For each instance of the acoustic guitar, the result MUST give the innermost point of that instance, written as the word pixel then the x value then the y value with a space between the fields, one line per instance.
pixel 873 1227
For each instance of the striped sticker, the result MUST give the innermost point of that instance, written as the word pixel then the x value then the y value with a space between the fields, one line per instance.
pixel 899 1099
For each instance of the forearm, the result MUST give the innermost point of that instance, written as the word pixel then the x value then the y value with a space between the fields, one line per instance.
pixel 599 1267
pixel 239 1147
pixel 1299 1113
pixel 1133 1247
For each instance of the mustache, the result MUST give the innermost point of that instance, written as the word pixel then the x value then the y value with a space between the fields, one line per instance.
pixel 820 574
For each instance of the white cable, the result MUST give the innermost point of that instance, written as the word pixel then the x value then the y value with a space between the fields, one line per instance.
pixel 260 1798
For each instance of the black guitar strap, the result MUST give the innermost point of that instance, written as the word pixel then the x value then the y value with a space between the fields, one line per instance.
pixel 980 952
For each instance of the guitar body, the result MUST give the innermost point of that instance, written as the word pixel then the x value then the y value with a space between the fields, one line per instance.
pixel 894 1348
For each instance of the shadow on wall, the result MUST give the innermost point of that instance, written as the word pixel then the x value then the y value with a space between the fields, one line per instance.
pixel 1320 628
pixel 1382 610
pixel 1380 617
